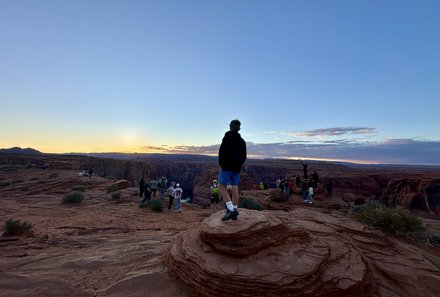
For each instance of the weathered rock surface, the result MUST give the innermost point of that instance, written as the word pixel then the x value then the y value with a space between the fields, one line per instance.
pixel 103 248
pixel 122 184
pixel 301 253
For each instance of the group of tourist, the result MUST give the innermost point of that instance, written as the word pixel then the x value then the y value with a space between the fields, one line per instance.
pixel 232 155
pixel 148 189
pixel 307 187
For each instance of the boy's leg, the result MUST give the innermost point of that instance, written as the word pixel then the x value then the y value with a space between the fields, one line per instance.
pixel 230 207
pixel 224 192
pixel 235 195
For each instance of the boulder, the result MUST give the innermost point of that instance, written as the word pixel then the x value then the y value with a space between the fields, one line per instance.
pixel 122 184
pixel 301 253
pixel 278 196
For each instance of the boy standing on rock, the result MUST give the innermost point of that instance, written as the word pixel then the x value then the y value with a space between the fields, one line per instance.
pixel 231 157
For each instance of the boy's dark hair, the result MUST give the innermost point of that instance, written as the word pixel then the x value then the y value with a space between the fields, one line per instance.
pixel 235 125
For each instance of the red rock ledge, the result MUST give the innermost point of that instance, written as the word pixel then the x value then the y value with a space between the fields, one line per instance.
pixel 300 253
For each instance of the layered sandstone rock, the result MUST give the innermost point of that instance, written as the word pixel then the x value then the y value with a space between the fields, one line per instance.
pixel 413 194
pixel 301 253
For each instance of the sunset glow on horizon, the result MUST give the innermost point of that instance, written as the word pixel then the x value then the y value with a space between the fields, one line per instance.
pixel 342 80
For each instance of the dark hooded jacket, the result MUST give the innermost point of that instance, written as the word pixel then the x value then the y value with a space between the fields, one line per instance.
pixel 232 153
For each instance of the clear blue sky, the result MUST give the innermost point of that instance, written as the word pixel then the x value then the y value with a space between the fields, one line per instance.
pixel 313 79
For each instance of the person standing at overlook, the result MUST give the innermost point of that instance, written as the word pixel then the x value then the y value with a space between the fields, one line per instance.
pixel 154 184
pixel 231 157
pixel 305 170
pixel 170 191
pixel 162 187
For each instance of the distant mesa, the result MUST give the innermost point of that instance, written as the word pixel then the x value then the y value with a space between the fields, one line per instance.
pixel 19 150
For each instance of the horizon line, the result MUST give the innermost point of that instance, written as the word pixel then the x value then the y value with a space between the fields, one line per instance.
pixel 250 157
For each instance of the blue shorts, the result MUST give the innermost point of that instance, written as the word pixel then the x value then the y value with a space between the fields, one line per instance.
pixel 228 177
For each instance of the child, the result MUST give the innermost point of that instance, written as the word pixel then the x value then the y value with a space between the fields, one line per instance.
pixel 215 199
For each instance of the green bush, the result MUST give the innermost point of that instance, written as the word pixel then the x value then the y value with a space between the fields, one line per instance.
pixel 109 177
pixel 34 178
pixel 398 221
pixel 73 197
pixel 15 227
pixel 249 203
pixel 116 195
pixel 4 183
pixel 112 188
pixel 53 175
pixel 79 188
pixel 156 205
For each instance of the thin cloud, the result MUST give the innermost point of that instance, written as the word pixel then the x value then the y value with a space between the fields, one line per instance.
pixel 390 151
pixel 182 149
pixel 335 131
pixel 149 148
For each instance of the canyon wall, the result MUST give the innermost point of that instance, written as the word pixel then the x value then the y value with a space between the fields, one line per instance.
pixel 410 187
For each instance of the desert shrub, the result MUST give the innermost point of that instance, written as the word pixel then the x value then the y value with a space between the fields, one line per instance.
pixel 73 197
pixel 24 189
pixel 79 188
pixel 15 227
pixel 112 188
pixel 33 178
pixel 249 203
pixel 156 205
pixel 425 237
pixel 4 183
pixel 17 181
pixel 116 195
pixel 53 175
pixel 398 221
pixel 109 177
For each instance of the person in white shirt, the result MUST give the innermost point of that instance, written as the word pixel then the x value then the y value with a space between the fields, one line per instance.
pixel 310 196
pixel 178 197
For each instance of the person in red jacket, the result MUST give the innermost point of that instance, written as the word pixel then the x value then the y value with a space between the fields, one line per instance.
pixel 231 157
